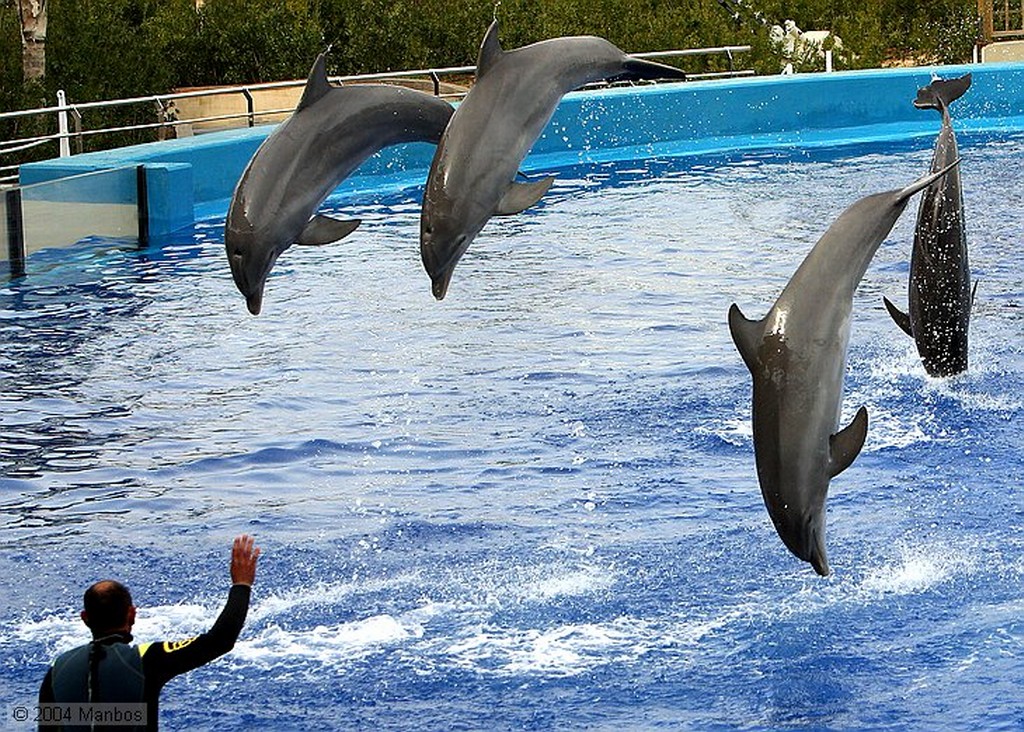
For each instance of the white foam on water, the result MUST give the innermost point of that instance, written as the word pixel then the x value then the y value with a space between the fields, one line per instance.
pixel 326 593
pixel 544 584
pixel 738 432
pixel 326 644
pixel 887 429
pixel 918 568
pixel 572 649
pixel 559 651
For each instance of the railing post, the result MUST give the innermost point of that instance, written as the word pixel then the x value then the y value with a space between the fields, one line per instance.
pixel 437 82
pixel 77 117
pixel 250 105
pixel 62 124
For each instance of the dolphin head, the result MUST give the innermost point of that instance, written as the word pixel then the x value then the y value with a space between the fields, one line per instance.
pixel 801 524
pixel 446 232
pixel 251 256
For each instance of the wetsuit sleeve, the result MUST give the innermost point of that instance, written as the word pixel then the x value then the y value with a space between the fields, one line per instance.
pixel 163 661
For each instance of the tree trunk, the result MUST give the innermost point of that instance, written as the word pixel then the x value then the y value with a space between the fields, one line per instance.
pixel 33 38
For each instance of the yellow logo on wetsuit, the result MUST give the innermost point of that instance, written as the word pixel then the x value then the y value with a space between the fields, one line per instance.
pixel 171 647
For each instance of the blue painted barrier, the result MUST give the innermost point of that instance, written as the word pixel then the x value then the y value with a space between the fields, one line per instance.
pixel 193 178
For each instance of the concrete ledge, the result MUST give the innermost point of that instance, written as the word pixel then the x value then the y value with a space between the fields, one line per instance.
pixel 595 126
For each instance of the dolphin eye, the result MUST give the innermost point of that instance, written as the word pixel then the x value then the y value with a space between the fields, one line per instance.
pixel 237 255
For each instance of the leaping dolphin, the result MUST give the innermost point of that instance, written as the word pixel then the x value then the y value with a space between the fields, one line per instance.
pixel 514 96
pixel 332 131
pixel 940 293
pixel 797 357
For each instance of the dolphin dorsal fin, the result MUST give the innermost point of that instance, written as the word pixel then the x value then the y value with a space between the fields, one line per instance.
pixel 845 445
pixel 490 50
pixel 317 84
pixel 746 334
pixel 901 318
pixel 520 196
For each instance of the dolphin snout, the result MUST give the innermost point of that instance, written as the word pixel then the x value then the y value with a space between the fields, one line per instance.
pixel 819 561
pixel 254 301
pixel 439 284
pixel 441 273
pixel 817 555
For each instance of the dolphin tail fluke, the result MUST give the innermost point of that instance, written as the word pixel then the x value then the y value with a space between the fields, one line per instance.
pixel 746 334
pixel 845 445
pixel 323 230
pixel 921 183
pixel 901 318
pixel 520 196
pixel 942 92
pixel 635 69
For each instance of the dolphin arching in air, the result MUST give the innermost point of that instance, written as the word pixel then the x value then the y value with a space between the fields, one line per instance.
pixel 940 295
pixel 797 358
pixel 331 133
pixel 514 96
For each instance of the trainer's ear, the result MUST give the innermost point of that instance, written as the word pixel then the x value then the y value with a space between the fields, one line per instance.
pixel 131 617
pixel 85 618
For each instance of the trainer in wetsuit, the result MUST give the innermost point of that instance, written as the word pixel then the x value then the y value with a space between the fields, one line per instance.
pixel 111 671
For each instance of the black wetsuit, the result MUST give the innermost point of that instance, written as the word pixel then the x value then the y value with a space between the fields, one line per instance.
pixel 124 673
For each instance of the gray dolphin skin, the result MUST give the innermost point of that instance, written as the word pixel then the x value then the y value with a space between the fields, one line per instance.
pixel 797 357
pixel 514 96
pixel 940 295
pixel 331 133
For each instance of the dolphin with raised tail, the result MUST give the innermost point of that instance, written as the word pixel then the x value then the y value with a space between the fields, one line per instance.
pixel 515 94
pixel 940 294
pixel 797 358
pixel 331 133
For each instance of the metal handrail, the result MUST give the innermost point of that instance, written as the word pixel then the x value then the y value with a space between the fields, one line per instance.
pixel 164 102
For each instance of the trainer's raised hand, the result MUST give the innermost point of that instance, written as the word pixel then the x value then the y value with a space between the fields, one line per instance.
pixel 244 555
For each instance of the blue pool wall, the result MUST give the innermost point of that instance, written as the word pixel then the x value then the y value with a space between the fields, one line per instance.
pixel 193 178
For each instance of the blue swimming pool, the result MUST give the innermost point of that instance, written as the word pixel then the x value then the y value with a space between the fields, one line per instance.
pixel 532 505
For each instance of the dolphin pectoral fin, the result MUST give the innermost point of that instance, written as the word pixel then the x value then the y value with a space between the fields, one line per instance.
pixel 324 230
pixel 520 196
pixel 901 318
pixel 746 334
pixel 845 445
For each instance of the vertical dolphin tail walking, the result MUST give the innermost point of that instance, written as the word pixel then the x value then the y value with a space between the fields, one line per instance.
pixel 942 92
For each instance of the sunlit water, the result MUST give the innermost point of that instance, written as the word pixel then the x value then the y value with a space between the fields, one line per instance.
pixel 532 505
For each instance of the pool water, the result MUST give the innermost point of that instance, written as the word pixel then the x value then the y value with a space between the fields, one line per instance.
pixel 532 505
